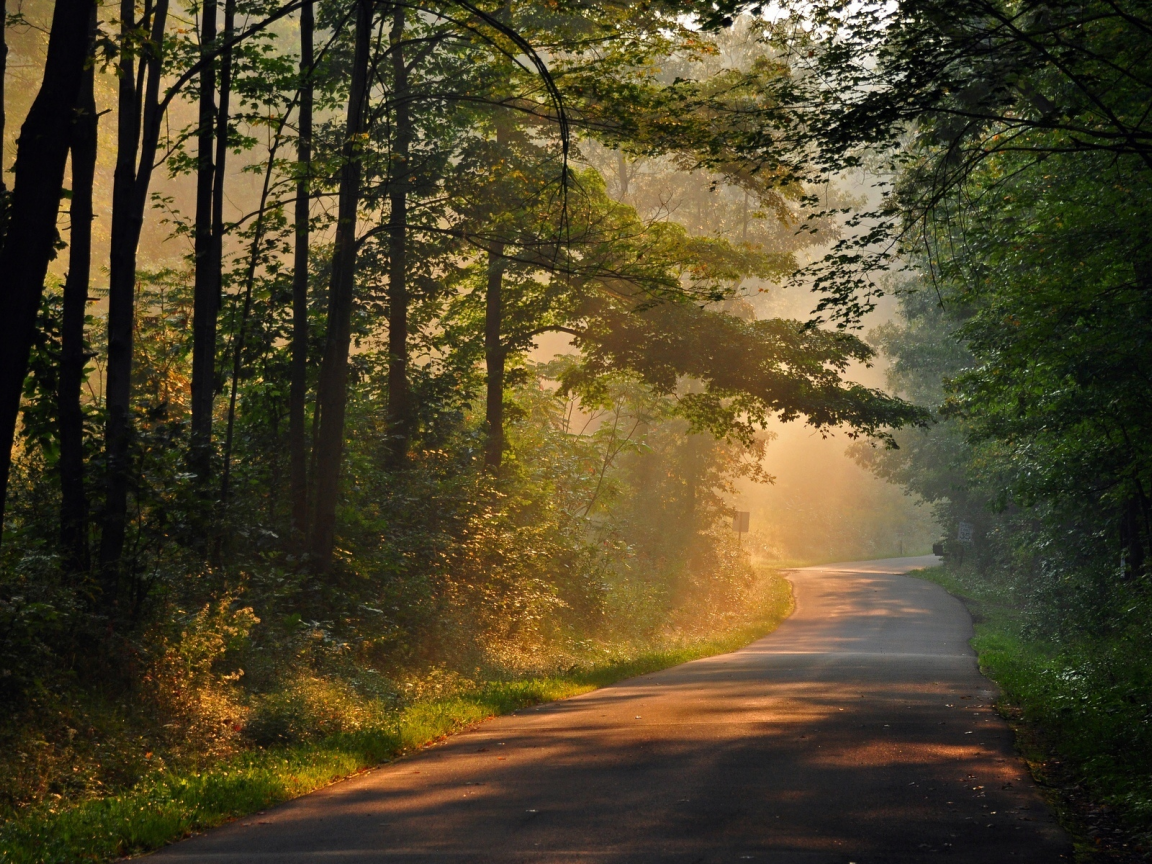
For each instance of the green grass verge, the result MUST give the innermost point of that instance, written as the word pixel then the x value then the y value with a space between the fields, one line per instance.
pixel 797 563
pixel 1080 713
pixel 169 806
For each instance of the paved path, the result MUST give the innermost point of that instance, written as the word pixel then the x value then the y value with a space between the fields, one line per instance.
pixel 860 731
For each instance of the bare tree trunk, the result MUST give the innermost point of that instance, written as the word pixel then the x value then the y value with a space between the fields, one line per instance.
pixel 3 78
pixel 39 177
pixel 744 226
pixel 129 199
pixel 494 356
pixel 73 498
pixel 205 303
pixel 332 388
pixel 399 410
pixel 297 445
pixel 223 117
pixel 494 352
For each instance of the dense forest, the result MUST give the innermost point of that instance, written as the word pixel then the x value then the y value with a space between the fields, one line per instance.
pixel 1013 145
pixel 289 457
pixel 355 351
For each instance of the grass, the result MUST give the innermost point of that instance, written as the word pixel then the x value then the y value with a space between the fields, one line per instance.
pixel 796 563
pixel 1080 713
pixel 169 806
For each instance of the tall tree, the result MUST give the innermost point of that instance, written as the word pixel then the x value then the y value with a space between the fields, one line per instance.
pixel 399 411
pixel 297 445
pixel 3 78
pixel 141 111
pixel 332 387
pixel 206 294
pixel 73 497
pixel 495 354
pixel 223 118
pixel 495 357
pixel 138 106
pixel 29 243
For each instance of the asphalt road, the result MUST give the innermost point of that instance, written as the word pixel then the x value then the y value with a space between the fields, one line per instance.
pixel 860 731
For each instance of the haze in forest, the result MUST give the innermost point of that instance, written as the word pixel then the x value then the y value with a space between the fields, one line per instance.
pixel 821 506
pixel 456 335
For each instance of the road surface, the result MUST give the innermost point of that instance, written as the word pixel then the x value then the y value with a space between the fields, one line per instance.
pixel 860 731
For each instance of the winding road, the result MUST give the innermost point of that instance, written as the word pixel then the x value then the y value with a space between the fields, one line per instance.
pixel 860 731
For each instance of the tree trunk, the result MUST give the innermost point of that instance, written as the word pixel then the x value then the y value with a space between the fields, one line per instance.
pixel 223 117
pixel 206 290
pixel 39 177
pixel 73 498
pixel 399 410
pixel 297 445
pixel 246 311
pixel 494 353
pixel 3 78
pixel 332 388
pixel 129 199
pixel 494 356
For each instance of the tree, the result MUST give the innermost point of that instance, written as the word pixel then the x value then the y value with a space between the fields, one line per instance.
pixel 73 353
pixel 332 389
pixel 297 442
pixel 946 88
pixel 399 412
pixel 207 274
pixel 136 138
pixel 140 111
pixel 31 229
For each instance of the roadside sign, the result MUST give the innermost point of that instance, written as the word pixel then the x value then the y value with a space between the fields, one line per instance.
pixel 964 532
pixel 740 521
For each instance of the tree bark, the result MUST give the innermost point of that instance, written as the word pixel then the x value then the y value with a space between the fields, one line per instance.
pixel 206 290
pixel 129 199
pixel 298 391
pixel 41 155
pixel 332 388
pixel 3 79
pixel 73 498
pixel 399 410
pixel 223 117
pixel 494 356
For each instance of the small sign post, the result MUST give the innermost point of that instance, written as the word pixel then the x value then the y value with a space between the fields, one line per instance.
pixel 964 535
pixel 740 524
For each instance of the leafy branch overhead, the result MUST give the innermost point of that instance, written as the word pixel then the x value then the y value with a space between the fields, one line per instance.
pixel 731 375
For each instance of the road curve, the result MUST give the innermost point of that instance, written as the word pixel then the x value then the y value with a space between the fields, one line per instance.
pixel 860 731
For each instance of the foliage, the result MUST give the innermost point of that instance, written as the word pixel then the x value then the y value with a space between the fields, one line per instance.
pixel 168 671
pixel 1087 701
pixel 336 736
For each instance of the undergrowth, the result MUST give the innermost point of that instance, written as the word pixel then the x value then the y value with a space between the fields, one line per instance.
pixel 1081 710
pixel 170 803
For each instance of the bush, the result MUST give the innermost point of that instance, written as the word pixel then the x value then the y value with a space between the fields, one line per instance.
pixel 308 709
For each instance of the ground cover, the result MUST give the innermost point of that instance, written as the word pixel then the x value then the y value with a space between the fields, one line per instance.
pixel 168 805
pixel 1079 712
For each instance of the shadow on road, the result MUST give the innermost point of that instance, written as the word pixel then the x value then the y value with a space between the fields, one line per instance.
pixel 861 730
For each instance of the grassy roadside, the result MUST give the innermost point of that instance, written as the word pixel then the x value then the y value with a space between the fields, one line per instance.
pixel 798 563
pixel 166 807
pixel 1075 725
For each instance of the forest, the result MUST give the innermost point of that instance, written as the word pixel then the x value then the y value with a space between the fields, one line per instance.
pixel 370 367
